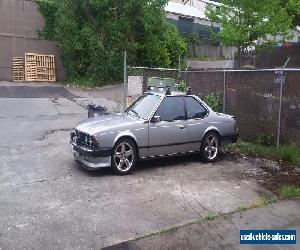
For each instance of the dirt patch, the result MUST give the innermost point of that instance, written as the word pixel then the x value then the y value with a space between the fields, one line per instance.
pixel 269 174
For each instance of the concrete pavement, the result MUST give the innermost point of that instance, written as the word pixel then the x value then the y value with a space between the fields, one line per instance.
pixel 224 231
pixel 47 201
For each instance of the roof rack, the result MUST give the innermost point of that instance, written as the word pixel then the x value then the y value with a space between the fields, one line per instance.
pixel 168 89
pixel 189 91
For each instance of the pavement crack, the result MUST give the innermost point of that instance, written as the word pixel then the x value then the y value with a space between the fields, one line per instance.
pixel 51 132
pixel 186 200
pixel 35 182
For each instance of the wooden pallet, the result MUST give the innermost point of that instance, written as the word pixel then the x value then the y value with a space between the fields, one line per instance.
pixel 30 67
pixel 46 68
pixel 40 68
pixel 18 69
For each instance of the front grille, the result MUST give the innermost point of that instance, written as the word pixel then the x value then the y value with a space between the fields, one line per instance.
pixel 83 139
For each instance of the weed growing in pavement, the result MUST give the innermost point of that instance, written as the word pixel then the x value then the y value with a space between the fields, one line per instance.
pixel 287 153
pixel 287 192
pixel 241 209
pixel 211 217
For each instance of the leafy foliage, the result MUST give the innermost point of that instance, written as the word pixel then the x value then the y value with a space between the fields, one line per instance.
pixel 182 86
pixel 289 153
pixel 264 139
pixel 250 24
pixel 293 9
pixel 92 36
pixel 288 192
pixel 215 101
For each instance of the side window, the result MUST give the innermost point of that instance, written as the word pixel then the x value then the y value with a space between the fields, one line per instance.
pixel 194 108
pixel 171 109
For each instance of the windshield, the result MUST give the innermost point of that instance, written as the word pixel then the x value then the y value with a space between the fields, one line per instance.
pixel 143 106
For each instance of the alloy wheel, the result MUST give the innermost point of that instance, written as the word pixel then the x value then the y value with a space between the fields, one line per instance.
pixel 123 157
pixel 211 147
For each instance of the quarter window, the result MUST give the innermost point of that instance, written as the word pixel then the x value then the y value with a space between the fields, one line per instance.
pixel 194 108
pixel 171 109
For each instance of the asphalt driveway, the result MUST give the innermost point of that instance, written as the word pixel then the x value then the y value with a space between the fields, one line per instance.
pixel 47 201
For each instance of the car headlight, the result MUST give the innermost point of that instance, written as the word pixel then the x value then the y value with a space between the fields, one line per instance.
pixel 93 141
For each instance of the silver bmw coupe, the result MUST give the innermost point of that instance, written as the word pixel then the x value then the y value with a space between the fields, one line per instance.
pixel 157 124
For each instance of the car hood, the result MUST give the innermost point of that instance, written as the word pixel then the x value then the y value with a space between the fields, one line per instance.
pixel 103 123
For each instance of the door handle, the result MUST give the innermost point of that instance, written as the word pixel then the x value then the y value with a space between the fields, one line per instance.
pixel 182 127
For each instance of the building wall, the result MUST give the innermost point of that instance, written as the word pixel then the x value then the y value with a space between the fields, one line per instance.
pixel 19 22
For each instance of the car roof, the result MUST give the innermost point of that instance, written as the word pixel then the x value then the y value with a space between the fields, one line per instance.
pixel 163 93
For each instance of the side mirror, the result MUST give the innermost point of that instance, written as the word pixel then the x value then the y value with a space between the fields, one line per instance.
pixel 156 119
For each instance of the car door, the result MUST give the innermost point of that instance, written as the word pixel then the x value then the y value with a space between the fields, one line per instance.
pixel 196 122
pixel 170 134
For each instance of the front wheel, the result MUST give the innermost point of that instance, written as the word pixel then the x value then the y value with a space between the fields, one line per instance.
pixel 124 157
pixel 210 147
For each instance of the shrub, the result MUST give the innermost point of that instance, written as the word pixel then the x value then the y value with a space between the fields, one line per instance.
pixel 92 36
pixel 288 153
pixel 264 139
pixel 215 101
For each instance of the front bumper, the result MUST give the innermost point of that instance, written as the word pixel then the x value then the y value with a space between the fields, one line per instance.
pixel 91 158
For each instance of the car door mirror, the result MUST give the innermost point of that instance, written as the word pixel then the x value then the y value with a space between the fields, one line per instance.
pixel 156 119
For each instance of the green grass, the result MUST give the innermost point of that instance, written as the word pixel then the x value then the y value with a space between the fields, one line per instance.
pixel 88 83
pixel 287 153
pixel 287 192
pixel 211 217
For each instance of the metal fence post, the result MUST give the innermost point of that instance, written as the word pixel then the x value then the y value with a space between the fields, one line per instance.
pixel 125 88
pixel 179 66
pixel 224 91
pixel 185 74
pixel 282 81
pixel 279 114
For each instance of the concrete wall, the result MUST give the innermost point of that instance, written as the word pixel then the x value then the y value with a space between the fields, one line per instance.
pixel 19 22
pixel 212 51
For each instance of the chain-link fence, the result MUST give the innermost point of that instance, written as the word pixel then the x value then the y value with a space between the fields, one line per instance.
pixel 266 103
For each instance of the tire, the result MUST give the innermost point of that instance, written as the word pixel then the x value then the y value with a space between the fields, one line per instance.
pixel 124 157
pixel 210 147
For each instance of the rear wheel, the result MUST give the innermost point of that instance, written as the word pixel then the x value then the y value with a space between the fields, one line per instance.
pixel 124 157
pixel 210 147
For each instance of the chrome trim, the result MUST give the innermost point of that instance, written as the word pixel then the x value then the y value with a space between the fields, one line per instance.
pixel 84 148
pixel 169 155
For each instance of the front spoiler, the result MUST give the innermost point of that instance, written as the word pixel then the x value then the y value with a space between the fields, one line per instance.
pixel 83 150
pixel 91 159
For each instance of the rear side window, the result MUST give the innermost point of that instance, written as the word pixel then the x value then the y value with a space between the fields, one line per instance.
pixel 171 109
pixel 194 108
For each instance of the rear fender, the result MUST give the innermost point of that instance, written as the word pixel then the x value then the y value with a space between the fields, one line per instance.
pixel 211 128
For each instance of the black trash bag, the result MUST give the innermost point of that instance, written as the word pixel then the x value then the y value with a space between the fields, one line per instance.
pixel 95 111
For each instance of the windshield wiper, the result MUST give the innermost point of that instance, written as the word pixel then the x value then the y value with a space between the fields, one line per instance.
pixel 135 113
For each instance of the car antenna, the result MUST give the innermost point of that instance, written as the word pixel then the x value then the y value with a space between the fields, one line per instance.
pixel 189 91
pixel 168 92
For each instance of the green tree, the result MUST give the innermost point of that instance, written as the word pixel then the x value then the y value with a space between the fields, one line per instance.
pixel 250 24
pixel 93 34
pixel 293 9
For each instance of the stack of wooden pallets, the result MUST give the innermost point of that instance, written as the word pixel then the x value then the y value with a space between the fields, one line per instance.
pixel 38 68
pixel 18 69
